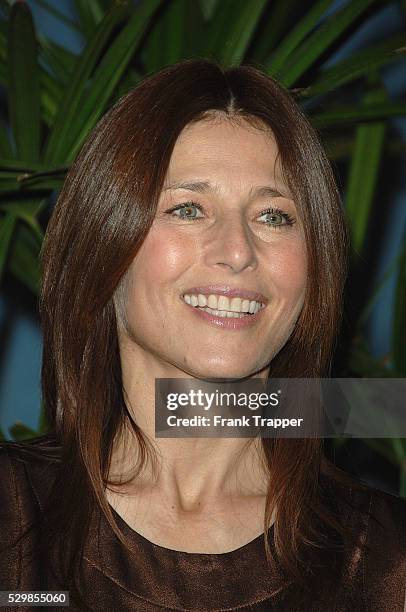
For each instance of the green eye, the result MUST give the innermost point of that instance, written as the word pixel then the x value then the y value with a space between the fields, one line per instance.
pixel 277 217
pixel 189 209
pixel 273 216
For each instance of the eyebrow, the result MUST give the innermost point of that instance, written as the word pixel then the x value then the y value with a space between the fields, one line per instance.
pixel 266 191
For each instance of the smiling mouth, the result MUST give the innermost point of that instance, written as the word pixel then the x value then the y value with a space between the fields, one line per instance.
pixel 223 306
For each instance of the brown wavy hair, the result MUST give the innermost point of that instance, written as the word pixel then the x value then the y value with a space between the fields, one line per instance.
pixel 103 214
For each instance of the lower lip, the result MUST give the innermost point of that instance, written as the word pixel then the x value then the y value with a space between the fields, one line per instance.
pixel 226 322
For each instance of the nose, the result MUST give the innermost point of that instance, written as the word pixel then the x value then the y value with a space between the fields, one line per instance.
pixel 232 245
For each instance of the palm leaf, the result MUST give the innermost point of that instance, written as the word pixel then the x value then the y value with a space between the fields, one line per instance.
pixel 108 75
pixel 238 19
pixel 90 14
pixel 166 40
pixel 208 7
pixel 358 65
pixel 24 257
pixel 367 309
pixel 27 210
pixel 70 104
pixel 50 91
pixel 23 82
pixel 318 42
pixel 364 170
pixel 59 60
pixel 351 114
pixel 296 36
pixel 272 29
pixel 7 225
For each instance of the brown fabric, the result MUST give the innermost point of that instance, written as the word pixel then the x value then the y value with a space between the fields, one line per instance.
pixel 357 580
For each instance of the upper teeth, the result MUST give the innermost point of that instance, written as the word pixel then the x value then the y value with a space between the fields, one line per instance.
pixel 222 302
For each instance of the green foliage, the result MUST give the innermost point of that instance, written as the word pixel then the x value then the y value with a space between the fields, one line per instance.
pixel 55 98
pixel 23 83
pixel 364 168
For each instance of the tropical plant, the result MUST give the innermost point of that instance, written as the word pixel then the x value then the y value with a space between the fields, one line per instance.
pixel 55 97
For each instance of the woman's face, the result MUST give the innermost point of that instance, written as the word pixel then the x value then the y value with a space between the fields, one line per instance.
pixel 212 236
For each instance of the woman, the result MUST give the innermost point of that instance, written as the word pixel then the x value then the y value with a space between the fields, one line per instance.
pixel 200 182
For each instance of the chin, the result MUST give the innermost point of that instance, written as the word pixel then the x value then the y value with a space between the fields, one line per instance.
pixel 224 372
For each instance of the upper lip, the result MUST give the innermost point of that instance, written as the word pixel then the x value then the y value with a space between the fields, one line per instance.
pixel 228 291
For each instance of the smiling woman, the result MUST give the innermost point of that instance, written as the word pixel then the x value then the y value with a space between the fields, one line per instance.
pixel 232 243
pixel 199 234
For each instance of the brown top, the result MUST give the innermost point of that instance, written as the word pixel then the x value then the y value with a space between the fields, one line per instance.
pixel 162 579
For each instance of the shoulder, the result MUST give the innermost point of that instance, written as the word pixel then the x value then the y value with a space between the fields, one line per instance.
pixel 26 473
pixel 384 562
pixel 385 559
pixel 361 502
pixel 377 550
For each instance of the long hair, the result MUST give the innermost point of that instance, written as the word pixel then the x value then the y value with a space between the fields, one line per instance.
pixel 104 212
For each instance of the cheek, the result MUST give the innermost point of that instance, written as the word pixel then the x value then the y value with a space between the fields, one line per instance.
pixel 288 269
pixel 161 258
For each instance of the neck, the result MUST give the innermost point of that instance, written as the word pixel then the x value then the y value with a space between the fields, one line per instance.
pixel 190 472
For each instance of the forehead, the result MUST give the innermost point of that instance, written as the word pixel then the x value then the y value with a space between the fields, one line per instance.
pixel 221 144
